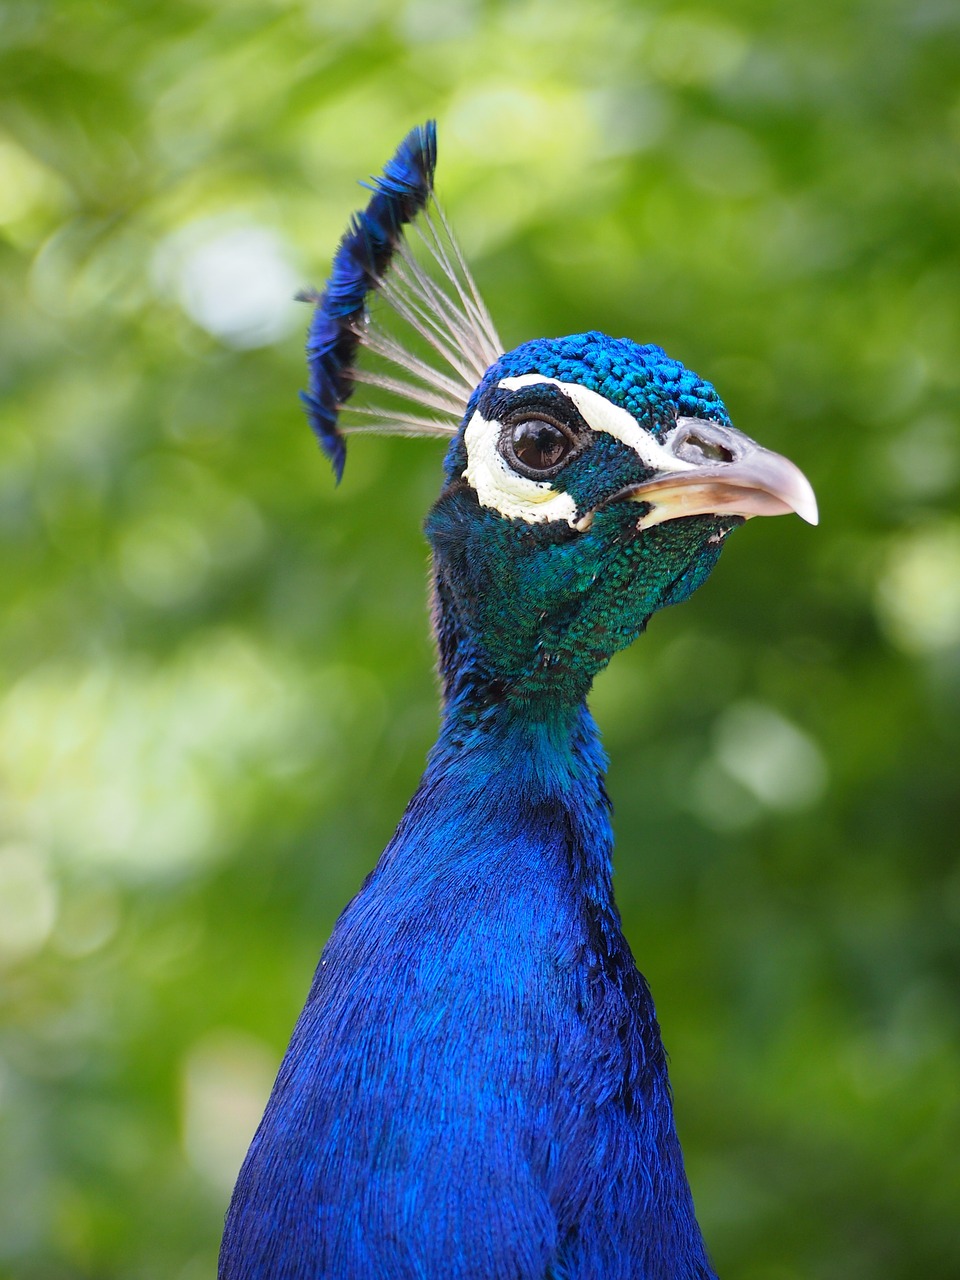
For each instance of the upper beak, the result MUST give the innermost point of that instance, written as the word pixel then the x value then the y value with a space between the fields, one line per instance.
pixel 720 471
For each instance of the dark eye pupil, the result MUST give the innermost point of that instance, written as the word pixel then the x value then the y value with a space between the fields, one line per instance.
pixel 539 445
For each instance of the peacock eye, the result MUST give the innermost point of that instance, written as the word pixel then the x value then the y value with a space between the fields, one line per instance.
pixel 538 447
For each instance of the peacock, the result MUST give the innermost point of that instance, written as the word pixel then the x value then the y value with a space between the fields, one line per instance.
pixel 476 1087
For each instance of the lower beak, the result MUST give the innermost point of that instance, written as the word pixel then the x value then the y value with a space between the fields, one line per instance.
pixel 720 471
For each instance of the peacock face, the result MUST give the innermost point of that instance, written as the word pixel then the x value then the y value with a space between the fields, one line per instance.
pixel 592 482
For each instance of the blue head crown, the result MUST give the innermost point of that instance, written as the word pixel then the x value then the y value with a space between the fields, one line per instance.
pixel 648 383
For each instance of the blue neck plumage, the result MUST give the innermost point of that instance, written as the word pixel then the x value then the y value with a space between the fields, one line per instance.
pixel 501 755
pixel 511 825
pixel 477 1009
pixel 503 788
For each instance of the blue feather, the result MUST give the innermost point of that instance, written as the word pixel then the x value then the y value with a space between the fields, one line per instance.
pixel 360 262
pixel 476 1086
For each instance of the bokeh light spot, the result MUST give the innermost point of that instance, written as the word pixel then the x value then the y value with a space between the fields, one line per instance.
pixel 918 593
pixel 28 900
pixel 234 281
pixel 780 765
pixel 226 1079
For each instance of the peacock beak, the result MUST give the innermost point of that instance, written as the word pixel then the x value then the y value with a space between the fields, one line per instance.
pixel 720 471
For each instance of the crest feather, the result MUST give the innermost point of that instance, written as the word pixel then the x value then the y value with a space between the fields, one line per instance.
pixel 437 300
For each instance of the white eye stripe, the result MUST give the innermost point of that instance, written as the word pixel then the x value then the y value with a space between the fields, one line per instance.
pixel 500 487
pixel 603 415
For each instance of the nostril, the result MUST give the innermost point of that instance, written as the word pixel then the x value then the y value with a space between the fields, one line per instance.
pixel 696 449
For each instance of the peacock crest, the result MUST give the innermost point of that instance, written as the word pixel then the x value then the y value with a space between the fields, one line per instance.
pixel 429 289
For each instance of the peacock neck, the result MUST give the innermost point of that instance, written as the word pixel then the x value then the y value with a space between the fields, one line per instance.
pixel 547 749
pixel 504 776
pixel 515 766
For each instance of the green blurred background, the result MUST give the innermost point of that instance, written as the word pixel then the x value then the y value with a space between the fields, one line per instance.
pixel 217 687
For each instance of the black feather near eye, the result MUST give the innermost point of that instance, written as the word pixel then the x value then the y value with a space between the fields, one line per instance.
pixel 536 447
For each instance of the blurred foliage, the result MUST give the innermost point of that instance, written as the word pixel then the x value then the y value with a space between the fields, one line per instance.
pixel 217 689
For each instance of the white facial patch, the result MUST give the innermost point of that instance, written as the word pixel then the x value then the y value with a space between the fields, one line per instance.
pixel 498 486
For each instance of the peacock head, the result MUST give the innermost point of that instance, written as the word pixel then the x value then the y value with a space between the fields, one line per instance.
pixel 590 480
